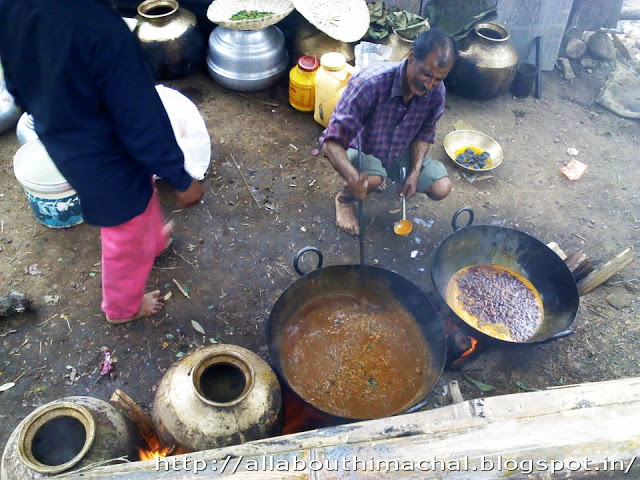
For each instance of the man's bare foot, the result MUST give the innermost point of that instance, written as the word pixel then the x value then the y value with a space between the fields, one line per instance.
pixel 382 186
pixel 346 217
pixel 150 305
pixel 166 231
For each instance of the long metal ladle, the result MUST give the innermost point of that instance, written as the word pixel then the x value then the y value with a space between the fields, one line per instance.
pixel 404 226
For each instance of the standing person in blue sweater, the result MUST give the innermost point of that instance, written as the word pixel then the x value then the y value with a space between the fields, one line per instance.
pixel 76 67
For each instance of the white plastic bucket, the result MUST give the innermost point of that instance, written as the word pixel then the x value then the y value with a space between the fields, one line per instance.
pixel 53 202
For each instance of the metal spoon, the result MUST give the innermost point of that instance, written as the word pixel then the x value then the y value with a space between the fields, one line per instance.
pixel 404 226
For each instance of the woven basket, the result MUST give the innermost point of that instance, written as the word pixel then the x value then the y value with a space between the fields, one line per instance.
pixel 344 20
pixel 220 12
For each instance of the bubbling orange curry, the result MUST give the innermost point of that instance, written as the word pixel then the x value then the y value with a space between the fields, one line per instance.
pixel 355 356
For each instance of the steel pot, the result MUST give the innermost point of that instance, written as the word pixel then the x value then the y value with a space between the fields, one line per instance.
pixel 247 60
pixel 321 285
pixel 517 251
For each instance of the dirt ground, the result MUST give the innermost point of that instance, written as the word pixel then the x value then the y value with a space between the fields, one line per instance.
pixel 234 252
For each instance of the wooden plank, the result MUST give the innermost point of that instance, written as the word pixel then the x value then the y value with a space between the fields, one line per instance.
pixel 605 272
pixel 597 434
pixel 593 419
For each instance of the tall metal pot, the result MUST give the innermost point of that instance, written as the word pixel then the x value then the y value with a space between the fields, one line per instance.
pixel 486 63
pixel 216 396
pixel 66 434
pixel 247 60
pixel 169 37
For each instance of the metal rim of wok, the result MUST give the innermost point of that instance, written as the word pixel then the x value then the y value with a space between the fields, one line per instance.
pixel 338 277
pixel 519 251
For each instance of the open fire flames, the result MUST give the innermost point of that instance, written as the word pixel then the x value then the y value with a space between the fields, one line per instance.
pixel 299 416
pixel 460 345
pixel 154 449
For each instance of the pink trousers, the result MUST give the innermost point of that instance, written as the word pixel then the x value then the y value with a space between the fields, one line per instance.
pixel 128 253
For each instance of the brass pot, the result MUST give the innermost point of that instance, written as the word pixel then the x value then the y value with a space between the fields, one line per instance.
pixel 69 433
pixel 169 37
pixel 216 396
pixel 486 62
pixel 313 42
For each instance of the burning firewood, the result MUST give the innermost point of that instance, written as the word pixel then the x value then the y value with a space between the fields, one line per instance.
pixel 144 425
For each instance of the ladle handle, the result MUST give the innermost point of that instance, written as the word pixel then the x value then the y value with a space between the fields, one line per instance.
pixel 454 220
pixel 360 207
pixel 403 178
pixel 296 259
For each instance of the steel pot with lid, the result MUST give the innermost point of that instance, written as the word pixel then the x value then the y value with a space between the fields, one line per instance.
pixel 247 60
pixel 356 341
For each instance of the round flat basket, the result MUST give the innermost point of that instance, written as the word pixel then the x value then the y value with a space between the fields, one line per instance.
pixel 346 20
pixel 221 11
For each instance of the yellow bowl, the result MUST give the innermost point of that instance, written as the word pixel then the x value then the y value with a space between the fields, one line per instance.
pixel 460 139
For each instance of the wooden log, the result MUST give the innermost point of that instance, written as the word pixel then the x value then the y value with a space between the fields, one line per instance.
pixel 580 265
pixel 137 416
pixel 605 272
pixel 456 394
pixel 458 342
pixel 14 302
pixel 556 248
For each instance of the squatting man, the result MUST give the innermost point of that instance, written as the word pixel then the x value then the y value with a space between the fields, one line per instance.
pixel 394 107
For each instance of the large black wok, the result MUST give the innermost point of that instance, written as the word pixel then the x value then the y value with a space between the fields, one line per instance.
pixel 351 279
pixel 519 251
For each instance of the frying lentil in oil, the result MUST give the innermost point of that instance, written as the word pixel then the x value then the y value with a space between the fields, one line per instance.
pixel 497 301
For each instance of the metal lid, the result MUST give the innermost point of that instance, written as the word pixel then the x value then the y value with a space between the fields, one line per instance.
pixel 308 63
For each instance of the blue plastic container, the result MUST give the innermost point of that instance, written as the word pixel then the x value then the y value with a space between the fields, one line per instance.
pixel 53 202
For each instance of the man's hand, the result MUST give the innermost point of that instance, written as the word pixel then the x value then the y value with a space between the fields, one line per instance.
pixel 408 190
pixel 358 188
pixel 191 196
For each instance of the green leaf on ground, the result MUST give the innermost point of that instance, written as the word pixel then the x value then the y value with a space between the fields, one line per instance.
pixel 485 387
pixel 521 385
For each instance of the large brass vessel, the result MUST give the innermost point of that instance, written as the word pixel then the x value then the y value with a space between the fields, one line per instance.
pixel 486 63
pixel 216 396
pixel 169 37
pixel 66 435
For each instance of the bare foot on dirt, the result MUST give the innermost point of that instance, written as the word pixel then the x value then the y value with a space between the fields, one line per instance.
pixel 346 217
pixel 166 231
pixel 150 305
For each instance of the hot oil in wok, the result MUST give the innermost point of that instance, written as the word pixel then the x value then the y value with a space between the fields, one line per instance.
pixel 497 301
pixel 355 357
